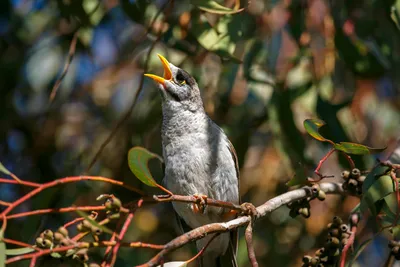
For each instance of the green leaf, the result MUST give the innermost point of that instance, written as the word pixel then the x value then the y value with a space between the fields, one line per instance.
pixel 138 158
pixel 395 232
pixel 375 173
pixel 2 251
pixel 19 251
pixel 174 264
pixel 389 207
pixel 312 127
pixel 93 222
pixel 214 7
pixel 356 149
pixel 382 187
pixel 4 169
pixel 56 255
pixel 359 250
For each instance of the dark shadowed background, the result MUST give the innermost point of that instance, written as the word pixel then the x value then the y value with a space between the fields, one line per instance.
pixel 262 71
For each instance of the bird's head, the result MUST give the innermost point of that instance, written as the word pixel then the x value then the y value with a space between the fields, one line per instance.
pixel 178 88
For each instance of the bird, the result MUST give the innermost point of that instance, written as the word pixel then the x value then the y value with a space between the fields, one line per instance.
pixel 199 161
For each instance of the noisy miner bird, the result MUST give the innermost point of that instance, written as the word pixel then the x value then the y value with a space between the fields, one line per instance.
pixel 199 160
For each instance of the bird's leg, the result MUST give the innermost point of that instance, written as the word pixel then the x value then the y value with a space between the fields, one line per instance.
pixel 201 204
pixel 249 209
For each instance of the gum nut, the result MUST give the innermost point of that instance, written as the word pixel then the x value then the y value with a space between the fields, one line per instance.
pixel 321 195
pixel 345 174
pixel 62 230
pixel 355 173
pixel 48 234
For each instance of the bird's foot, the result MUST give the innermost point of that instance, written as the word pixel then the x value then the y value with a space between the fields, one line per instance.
pixel 249 209
pixel 200 205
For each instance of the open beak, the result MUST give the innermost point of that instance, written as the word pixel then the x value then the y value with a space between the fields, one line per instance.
pixel 167 71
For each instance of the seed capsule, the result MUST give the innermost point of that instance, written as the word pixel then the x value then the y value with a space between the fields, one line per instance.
pixel 62 230
pixel 345 175
pixel 355 173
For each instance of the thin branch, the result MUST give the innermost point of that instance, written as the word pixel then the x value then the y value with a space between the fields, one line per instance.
pixel 263 210
pixel 135 97
pixel 71 53
pixel 21 182
pixel 68 224
pixel 55 210
pixel 192 199
pixel 120 237
pixel 201 252
pixel 354 220
pixel 82 245
pixel 316 171
pixel 249 242
pixel 58 182
pixel 19 243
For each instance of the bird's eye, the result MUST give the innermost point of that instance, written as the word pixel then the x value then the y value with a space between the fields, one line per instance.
pixel 180 79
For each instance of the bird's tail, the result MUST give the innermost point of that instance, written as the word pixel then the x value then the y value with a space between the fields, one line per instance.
pixel 214 258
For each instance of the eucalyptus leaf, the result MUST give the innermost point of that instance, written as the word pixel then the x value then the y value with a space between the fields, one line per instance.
pixel 312 127
pixel 3 250
pixel 359 250
pixel 174 264
pixel 382 187
pixel 19 251
pixel 357 149
pixel 138 158
pixel 214 7
pixel 3 169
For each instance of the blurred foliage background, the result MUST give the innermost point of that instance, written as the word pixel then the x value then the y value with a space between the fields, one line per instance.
pixel 262 71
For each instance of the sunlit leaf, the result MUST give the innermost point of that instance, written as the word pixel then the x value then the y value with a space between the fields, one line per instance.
pixel 382 187
pixel 94 222
pixel 18 251
pixel 2 250
pixel 357 149
pixel 312 126
pixel 174 264
pixel 359 250
pixel 138 158
pixel 4 169
pixel 374 174
pixel 214 7
pixel 389 207
pixel 395 232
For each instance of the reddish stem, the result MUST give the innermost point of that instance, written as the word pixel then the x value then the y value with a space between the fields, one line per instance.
pixel 249 243
pixel 84 245
pixel 396 184
pixel 120 237
pixel 21 182
pixel 347 246
pixel 68 224
pixel 354 220
pixel 19 243
pixel 58 182
pixel 201 252
pixel 4 203
pixel 316 171
pixel 55 210
pixel 349 159
pixel 33 262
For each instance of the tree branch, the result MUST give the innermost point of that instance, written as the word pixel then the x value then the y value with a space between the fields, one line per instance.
pixel 262 211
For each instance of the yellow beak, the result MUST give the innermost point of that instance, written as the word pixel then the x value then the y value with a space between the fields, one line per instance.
pixel 167 71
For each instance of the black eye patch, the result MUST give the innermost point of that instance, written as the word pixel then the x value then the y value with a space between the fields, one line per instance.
pixel 182 75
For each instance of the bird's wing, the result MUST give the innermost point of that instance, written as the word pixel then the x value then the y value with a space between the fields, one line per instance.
pixel 234 235
pixel 235 160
